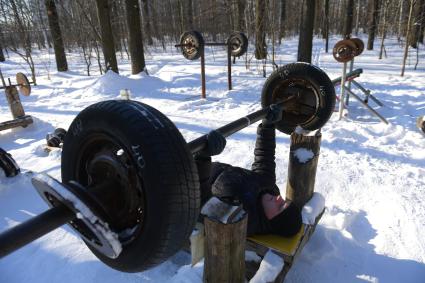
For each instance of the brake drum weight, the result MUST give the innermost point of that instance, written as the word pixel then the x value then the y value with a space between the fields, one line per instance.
pixel 344 51
pixel 192 46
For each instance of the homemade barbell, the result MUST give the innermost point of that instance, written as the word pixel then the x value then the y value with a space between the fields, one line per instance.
pixel 192 45
pixel 22 82
pixel 344 51
pixel 130 185
pixel 15 105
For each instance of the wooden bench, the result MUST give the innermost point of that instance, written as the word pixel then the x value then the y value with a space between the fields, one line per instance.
pixel 286 248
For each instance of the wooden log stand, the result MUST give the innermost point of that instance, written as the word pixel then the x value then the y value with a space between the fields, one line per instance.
pixel 225 237
pixel 18 113
pixel 303 160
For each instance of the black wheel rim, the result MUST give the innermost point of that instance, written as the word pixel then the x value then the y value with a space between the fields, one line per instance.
pixel 303 105
pixel 190 45
pixel 101 159
pixel 236 44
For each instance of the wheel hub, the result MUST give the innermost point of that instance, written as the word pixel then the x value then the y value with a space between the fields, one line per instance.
pixel 302 108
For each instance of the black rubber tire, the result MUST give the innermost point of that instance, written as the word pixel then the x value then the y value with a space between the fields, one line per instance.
pixel 8 164
pixel 198 41
pixel 320 84
pixel 241 37
pixel 165 169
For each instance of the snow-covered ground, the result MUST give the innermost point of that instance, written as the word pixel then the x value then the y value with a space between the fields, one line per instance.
pixel 371 174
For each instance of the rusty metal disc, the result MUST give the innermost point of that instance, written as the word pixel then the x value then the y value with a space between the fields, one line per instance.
pixel 23 84
pixel 344 50
pixel 192 44
pixel 359 45
pixel 238 44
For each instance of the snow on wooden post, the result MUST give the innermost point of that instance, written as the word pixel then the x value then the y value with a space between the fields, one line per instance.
pixel 303 159
pixel 225 237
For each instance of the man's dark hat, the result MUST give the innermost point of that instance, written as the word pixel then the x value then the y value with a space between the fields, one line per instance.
pixel 288 222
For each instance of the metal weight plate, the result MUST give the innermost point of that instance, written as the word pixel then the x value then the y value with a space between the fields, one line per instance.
pixel 344 50
pixel 306 93
pixel 238 43
pixel 192 44
pixel 359 45
pixel 89 222
pixel 24 84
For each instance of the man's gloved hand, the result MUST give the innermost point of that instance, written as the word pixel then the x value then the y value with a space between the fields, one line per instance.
pixel 274 115
pixel 216 143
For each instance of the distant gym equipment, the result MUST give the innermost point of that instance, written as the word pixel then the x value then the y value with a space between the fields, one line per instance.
pixel 344 51
pixel 15 105
pixel 192 46
pixel 56 138
pixel 116 175
pixel 8 164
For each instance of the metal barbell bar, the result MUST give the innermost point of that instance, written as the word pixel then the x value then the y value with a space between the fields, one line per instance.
pixel 22 83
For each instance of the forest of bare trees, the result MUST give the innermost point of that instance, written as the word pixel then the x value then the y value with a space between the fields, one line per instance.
pixel 100 30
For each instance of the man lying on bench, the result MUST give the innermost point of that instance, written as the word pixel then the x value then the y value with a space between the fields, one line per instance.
pixel 255 189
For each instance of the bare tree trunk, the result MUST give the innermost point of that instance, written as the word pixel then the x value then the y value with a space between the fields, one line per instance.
pixel 55 30
pixel 348 23
pixel 422 25
pixel 357 17
pixel 326 26
pixel 241 15
pixel 108 46
pixel 384 28
pixel 135 43
pixel 305 43
pixel 400 20
pixel 2 59
pixel 189 10
pixel 146 21
pixel 373 22
pixel 260 35
pixel 406 47
pixel 282 20
pixel 417 20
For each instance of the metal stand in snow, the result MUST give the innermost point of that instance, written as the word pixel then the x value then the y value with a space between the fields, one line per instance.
pixel 193 47
pixel 350 77
pixel 345 51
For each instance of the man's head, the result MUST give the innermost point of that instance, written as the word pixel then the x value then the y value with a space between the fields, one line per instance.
pixel 284 217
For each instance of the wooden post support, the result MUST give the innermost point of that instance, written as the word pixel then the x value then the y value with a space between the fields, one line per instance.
pixel 229 66
pixel 204 95
pixel 303 159
pixel 225 250
pixel 15 105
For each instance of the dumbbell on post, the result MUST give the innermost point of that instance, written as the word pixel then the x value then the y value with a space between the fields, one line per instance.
pixel 129 181
pixel 192 45
pixel 22 83
pixel 16 108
